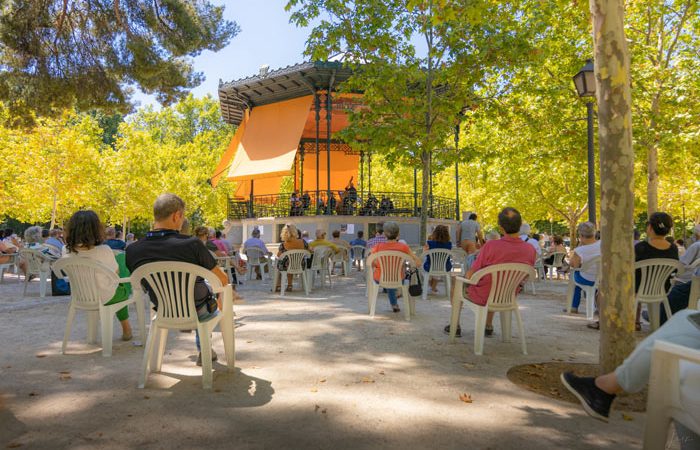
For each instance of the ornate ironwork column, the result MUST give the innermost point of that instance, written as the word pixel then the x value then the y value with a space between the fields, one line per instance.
pixel 329 106
pixel 317 105
pixel 362 174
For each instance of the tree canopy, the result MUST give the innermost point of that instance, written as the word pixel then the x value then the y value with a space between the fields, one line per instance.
pixel 87 54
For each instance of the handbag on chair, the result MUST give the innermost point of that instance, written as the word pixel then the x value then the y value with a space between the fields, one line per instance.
pixel 415 287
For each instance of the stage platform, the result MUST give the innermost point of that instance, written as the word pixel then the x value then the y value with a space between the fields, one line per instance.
pixel 241 229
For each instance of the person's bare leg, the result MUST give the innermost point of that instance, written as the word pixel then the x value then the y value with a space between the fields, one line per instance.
pixel 489 319
pixel 289 281
pixel 126 329
pixel 608 383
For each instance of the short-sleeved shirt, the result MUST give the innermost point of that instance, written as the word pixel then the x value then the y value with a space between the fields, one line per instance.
pixel 691 254
pixel 320 242
pixel 376 240
pixel 533 242
pixel 498 251
pixel 255 243
pixel 436 244
pixel 359 241
pixel 643 250
pixel 470 228
pixel 169 245
pixel 385 247
pixel 115 244
pixel 586 253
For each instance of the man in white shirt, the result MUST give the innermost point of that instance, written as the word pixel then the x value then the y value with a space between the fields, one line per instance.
pixel 679 296
pixel 588 249
pixel 525 236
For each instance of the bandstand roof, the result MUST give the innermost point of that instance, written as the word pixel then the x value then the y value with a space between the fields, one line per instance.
pixel 278 85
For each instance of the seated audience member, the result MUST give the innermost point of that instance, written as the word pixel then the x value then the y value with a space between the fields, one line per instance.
pixel 439 239
pixel 358 241
pixel 111 240
pixel 378 237
pixel 290 241
pixel 679 296
pixel 55 239
pixel 130 239
pixel 681 247
pixel 391 232
pixel 85 238
pixel 340 243
pixel 658 227
pixel 525 237
pixel 255 242
pixel 322 241
pixel 597 394
pixel 34 241
pixel 511 248
pixel 165 243
pixel 305 236
pixel 588 249
pixel 222 243
pixel 493 235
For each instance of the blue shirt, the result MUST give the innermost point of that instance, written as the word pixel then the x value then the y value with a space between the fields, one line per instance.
pixel 358 241
pixel 436 244
pixel 55 242
pixel 115 244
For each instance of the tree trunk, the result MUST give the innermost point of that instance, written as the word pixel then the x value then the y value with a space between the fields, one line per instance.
pixel 653 162
pixel 572 232
pixel 53 211
pixel 616 294
pixel 425 153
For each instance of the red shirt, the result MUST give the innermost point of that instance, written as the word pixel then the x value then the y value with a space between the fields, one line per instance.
pixel 505 250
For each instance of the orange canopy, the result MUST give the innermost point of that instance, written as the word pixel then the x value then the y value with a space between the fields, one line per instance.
pixel 269 144
pixel 343 167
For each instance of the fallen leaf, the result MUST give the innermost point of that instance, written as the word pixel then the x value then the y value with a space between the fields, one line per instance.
pixel 64 372
pixel 322 380
pixel 249 342
pixel 627 417
pixel 8 367
pixel 33 394
pixel 14 445
pixel 468 365
pixel 381 372
pixel 323 411
pixel 217 390
pixel 367 380
pixel 129 415
pixel 314 390
pixel 146 397
pixel 466 398
pixel 40 356
pixel 316 408
pixel 65 377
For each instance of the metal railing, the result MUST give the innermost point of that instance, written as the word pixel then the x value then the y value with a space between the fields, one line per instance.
pixel 396 204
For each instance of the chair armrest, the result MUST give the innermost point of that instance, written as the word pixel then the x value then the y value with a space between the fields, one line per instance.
pixel 125 280
pixel 676 351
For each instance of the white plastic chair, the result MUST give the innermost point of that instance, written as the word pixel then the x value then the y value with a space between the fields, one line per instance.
pixel 342 258
pixel 37 264
pixel 89 293
pixel 358 256
pixel 505 281
pixel 296 266
pixel 459 260
pixel 588 292
pixel 10 265
pixel 556 263
pixel 439 258
pixel 652 290
pixel 674 387
pixel 694 295
pixel 173 285
pixel 539 269
pixel 392 265
pixel 256 258
pixel 320 265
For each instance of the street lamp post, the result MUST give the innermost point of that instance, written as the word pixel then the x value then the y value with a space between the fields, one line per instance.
pixel 584 81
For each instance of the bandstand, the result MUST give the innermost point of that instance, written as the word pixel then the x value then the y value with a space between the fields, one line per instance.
pixel 287 120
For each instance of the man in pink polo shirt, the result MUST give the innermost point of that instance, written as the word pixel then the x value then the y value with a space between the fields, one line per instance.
pixel 509 249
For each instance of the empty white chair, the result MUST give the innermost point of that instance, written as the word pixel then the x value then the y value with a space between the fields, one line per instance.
pixel 92 285
pixel 358 256
pixel 557 263
pixel 505 281
pixel 296 266
pixel 320 264
pixel 539 268
pixel 173 285
pixel 37 264
pixel 652 290
pixel 8 266
pixel 256 258
pixel 674 392
pixel 439 258
pixel 392 265
pixel 587 292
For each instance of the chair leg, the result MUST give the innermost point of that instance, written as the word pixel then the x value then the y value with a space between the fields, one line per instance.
pixel 26 282
pixel 283 283
pixel 141 316
pixel 654 319
pixel 92 317
pixel 305 283
pixel 205 342
pixel 448 285
pixel 228 335
pixel 372 298
pixel 590 302
pixel 521 330
pixel 42 283
pixel 479 329
pixel 107 326
pixel 506 329
pixel 406 302
pixel 162 340
pixel 454 317
pixel 69 324
pixel 147 354
pixel 426 283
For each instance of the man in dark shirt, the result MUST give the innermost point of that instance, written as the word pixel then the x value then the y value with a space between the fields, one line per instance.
pixel 165 243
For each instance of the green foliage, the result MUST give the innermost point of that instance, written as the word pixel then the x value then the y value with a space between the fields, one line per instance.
pixel 87 54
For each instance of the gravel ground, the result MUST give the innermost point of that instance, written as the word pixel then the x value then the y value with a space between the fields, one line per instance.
pixel 311 372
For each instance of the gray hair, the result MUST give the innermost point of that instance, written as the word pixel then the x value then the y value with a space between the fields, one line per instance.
pixel 129 236
pixel 32 235
pixel 320 233
pixel 492 236
pixel 391 230
pixel 166 205
pixel 586 230
pixel 212 232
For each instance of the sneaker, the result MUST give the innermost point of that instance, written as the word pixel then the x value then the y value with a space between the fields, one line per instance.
pixel 395 308
pixel 594 400
pixel 459 331
pixel 213 357
pixel 488 331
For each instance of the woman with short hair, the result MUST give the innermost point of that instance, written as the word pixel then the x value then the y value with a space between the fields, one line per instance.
pixel 391 232
pixel 85 237
pixel 439 239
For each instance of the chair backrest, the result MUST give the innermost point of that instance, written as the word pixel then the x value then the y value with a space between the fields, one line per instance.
pixel 593 263
pixel 91 282
pixel 505 280
pixel 439 257
pixel 254 254
pixel 296 260
pixel 358 252
pixel 341 255
pixel 653 276
pixel 173 284
pixel 36 261
pixel 392 267
pixel 322 254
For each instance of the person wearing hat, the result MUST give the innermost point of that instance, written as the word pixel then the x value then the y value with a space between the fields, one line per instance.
pixel 525 236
